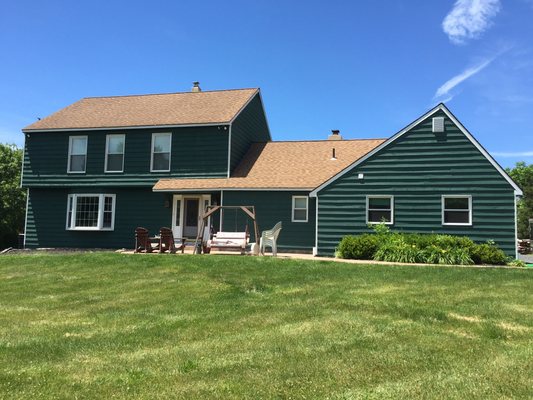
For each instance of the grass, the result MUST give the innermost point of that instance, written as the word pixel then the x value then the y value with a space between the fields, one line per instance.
pixel 106 325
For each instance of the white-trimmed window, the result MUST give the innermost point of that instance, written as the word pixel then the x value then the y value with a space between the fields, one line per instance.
pixel 380 209
pixel 77 154
pixel 114 153
pixel 456 210
pixel 300 208
pixel 91 212
pixel 161 145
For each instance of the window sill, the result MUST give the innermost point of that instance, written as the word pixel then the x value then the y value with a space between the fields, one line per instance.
pixel 91 229
pixel 380 222
pixel 456 224
pixel 76 172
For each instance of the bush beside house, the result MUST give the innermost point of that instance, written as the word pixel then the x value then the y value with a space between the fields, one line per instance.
pixel 384 245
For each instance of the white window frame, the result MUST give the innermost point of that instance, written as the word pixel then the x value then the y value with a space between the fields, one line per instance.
pixel 294 208
pixel 379 196
pixel 72 201
pixel 70 140
pixel 154 135
pixel 123 136
pixel 456 196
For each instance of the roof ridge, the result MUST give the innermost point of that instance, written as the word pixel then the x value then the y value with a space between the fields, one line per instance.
pixel 319 140
pixel 170 93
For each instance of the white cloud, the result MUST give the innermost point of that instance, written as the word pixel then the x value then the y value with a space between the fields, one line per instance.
pixel 468 19
pixel 513 154
pixel 444 90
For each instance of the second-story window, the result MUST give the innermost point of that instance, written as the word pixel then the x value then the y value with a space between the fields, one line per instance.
pixel 114 153
pixel 161 152
pixel 77 154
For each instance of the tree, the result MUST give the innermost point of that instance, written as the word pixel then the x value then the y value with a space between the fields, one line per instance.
pixel 12 197
pixel 522 174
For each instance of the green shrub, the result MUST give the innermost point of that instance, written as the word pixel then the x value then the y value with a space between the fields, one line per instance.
pixel 380 229
pixel 434 254
pixel 361 247
pixel 385 245
pixel 516 263
pixel 423 241
pixel 419 240
pixel 397 250
pixel 488 253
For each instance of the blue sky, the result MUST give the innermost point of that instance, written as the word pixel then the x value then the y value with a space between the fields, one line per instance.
pixel 367 68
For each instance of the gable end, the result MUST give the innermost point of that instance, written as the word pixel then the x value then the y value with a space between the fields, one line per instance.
pixel 447 112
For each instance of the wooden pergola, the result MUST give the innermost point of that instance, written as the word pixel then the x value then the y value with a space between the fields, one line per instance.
pixel 210 210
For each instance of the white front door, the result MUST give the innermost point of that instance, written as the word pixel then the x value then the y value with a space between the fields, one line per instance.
pixel 187 211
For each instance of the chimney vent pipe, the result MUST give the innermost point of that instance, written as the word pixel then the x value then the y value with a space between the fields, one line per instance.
pixel 196 87
pixel 335 135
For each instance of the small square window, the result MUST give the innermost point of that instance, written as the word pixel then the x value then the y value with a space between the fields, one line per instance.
pixel 300 208
pixel 379 209
pixel 457 210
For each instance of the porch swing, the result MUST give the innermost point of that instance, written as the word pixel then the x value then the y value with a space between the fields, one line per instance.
pixel 225 240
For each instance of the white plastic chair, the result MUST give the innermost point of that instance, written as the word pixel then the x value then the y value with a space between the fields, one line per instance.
pixel 269 238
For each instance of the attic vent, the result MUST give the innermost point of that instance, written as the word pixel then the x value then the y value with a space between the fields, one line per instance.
pixel 438 124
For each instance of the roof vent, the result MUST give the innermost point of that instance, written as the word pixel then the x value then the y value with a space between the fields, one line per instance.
pixel 335 135
pixel 196 87
pixel 333 155
pixel 438 124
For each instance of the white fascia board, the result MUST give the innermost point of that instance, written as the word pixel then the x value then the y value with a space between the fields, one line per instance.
pixel 482 150
pixel 235 190
pixel 440 107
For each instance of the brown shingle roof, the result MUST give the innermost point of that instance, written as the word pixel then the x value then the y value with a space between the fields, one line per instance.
pixel 282 165
pixel 189 108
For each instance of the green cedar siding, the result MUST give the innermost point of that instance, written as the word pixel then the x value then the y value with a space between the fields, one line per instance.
pixel 417 169
pixel 196 152
pixel 271 207
pixel 250 126
pixel 47 213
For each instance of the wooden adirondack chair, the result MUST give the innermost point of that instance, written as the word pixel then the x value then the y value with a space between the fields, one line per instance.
pixel 142 241
pixel 167 242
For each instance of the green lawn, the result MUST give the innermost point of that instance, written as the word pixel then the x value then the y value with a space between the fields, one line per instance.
pixel 106 325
